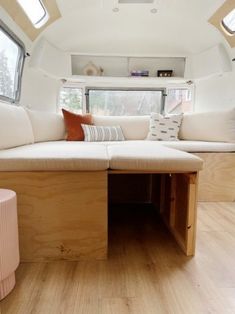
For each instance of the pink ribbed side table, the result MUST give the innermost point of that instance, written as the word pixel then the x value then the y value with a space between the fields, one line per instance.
pixel 9 242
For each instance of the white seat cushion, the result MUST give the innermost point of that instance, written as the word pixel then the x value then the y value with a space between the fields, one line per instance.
pixel 47 126
pixel 55 156
pixel 200 146
pixel 15 127
pixel 187 146
pixel 148 157
pixel 218 126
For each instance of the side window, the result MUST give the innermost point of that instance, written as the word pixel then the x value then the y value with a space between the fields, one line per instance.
pixel 12 54
pixel 70 98
pixel 179 100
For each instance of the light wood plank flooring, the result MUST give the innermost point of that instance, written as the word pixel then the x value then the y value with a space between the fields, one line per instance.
pixel 146 272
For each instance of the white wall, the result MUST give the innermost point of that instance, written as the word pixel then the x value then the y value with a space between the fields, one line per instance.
pixel 215 93
pixel 38 91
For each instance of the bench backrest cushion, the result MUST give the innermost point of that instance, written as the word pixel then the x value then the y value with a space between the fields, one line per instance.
pixel 133 127
pixel 217 126
pixel 15 127
pixel 47 126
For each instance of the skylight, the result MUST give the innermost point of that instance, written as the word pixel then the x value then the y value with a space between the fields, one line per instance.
pixel 36 12
pixel 229 22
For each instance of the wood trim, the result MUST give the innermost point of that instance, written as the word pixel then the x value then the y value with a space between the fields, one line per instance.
pixel 17 14
pixel 217 179
pixel 145 172
pixel 217 18
pixel 62 215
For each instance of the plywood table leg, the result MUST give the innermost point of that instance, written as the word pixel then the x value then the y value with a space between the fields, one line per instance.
pixel 179 209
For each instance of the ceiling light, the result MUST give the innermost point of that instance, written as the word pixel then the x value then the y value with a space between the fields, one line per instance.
pixel 135 1
pixel 154 10
pixel 35 11
pixel 115 10
pixel 229 22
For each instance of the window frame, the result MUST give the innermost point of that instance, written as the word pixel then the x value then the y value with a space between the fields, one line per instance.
pixel 20 64
pixel 46 15
pixel 127 89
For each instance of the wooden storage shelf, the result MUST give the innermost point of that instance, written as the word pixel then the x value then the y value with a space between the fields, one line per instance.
pixel 122 66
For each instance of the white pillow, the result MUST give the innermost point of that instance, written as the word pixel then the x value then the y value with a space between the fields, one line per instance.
pixel 102 133
pixel 133 127
pixel 217 126
pixel 164 128
pixel 15 127
pixel 47 126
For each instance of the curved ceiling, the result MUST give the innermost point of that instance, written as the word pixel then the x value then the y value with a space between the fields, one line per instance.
pixel 179 27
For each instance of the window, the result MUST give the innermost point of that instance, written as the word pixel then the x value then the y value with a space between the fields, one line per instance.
pixel 70 98
pixel 121 102
pixel 179 100
pixel 12 53
pixel 229 22
pixel 35 11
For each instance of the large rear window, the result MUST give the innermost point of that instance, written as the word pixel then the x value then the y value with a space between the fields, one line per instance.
pixel 124 102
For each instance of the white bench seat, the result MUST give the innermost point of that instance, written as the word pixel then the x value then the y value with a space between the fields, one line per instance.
pixel 187 146
pixel 148 157
pixel 82 156
pixel 55 156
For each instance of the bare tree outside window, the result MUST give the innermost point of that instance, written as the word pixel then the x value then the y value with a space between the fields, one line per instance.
pixel 11 60
pixel 70 98
pixel 6 82
pixel 124 102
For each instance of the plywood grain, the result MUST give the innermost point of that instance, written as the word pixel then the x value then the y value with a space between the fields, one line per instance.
pixel 217 179
pixel 178 207
pixel 62 215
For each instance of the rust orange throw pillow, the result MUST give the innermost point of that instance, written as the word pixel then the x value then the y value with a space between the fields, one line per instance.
pixel 73 125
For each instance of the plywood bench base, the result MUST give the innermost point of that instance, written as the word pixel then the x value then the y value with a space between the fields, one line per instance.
pixel 175 196
pixel 62 215
pixel 217 179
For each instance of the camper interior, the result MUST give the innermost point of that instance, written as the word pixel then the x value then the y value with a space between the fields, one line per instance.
pixel 117 156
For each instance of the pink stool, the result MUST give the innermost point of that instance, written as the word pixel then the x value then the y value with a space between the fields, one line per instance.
pixel 9 242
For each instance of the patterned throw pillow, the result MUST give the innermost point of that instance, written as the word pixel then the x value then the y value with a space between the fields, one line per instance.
pixel 164 128
pixel 102 133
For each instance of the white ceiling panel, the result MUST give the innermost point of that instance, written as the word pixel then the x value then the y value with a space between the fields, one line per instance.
pixel 179 27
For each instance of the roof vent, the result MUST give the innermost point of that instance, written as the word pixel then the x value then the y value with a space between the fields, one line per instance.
pixel 135 1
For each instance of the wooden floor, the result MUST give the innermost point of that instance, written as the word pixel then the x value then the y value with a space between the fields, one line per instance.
pixel 146 272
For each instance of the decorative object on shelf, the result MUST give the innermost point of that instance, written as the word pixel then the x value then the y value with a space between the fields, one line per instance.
pixel 142 73
pixel 165 73
pixel 92 70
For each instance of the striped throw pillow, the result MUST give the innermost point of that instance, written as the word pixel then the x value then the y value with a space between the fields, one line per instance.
pixel 164 128
pixel 102 133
